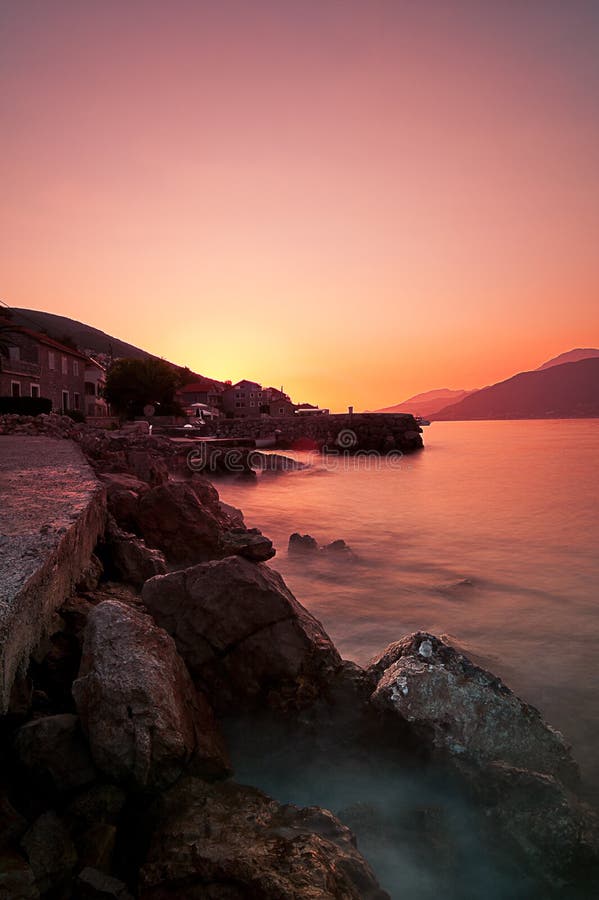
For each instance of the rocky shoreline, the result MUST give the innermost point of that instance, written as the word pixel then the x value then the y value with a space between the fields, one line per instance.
pixel 117 779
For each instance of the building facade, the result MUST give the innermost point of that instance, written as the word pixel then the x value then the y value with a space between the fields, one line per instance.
pixel 245 399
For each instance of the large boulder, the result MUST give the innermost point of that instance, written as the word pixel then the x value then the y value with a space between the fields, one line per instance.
pixel 249 543
pixel 51 853
pixel 231 841
pixel 143 717
pixel 127 558
pixel 242 633
pixel 172 519
pixel 53 748
pixel 461 710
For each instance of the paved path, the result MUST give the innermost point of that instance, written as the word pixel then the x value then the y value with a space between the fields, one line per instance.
pixel 51 513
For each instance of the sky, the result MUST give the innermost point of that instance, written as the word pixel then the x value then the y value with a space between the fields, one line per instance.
pixel 356 200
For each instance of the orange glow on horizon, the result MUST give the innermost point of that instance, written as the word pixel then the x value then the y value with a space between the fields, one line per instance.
pixel 357 201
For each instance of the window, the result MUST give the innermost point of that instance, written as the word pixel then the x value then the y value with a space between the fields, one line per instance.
pixel 15 388
pixel 75 368
pixel 51 360
pixel 35 390
pixel 65 400
pixel 14 354
pixel 252 395
pixel 65 366
pixel 252 402
pixel 76 402
pixel 281 410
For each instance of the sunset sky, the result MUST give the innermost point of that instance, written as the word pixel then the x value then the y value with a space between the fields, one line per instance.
pixel 357 200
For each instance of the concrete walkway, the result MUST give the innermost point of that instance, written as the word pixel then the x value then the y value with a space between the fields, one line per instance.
pixel 52 511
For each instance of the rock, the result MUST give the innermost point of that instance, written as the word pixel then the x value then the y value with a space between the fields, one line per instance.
pixel 205 491
pixel 463 711
pixel 128 559
pixel 243 634
pixel 230 516
pixel 54 748
pixel 172 519
pixel 17 881
pixel 231 841
pixel 338 548
pixel 91 575
pixel 142 715
pixel 93 819
pixel 50 852
pixel 146 465
pixel 557 834
pixel 12 823
pixel 300 544
pixel 249 543
pixel 94 885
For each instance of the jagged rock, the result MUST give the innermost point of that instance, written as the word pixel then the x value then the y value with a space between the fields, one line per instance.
pixel 54 747
pixel 172 519
pixel 339 548
pixel 50 852
pixel 243 634
pixel 17 881
pixel 93 819
pixel 144 720
pixel 249 543
pixel 12 823
pixel 230 515
pixel 231 841
pixel 463 711
pixel 146 465
pixel 205 491
pixel 557 833
pixel 300 544
pixel 94 885
pixel 91 575
pixel 128 558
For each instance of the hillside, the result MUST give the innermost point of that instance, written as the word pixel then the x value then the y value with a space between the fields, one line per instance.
pixel 84 336
pixel 87 339
pixel 570 390
pixel 571 356
pixel 428 403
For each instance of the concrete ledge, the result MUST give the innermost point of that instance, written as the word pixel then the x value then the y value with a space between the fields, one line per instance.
pixel 52 512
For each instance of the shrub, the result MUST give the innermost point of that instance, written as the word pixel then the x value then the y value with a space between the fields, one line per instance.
pixel 25 406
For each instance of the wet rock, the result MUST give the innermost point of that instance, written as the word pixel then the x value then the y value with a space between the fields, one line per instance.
pixel 243 634
pixel 231 841
pixel 230 516
pixel 128 559
pixel 54 748
pixel 205 491
pixel 50 852
pixel 142 715
pixel 92 884
pixel 249 543
pixel 463 711
pixel 17 881
pixel 555 832
pixel 300 544
pixel 338 548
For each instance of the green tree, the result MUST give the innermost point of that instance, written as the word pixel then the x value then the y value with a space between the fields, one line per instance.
pixel 132 384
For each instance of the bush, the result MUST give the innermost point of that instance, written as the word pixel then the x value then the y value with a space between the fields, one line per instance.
pixel 25 406
pixel 75 414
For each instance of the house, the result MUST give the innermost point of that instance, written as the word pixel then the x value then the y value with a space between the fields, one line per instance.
pixel 205 391
pixel 246 399
pixel 95 382
pixel 281 408
pixel 35 365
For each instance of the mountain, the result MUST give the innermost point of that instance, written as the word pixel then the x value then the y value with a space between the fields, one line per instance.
pixel 428 403
pixel 571 356
pixel 84 336
pixel 566 391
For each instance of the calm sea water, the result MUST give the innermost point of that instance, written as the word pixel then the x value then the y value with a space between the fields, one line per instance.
pixel 489 536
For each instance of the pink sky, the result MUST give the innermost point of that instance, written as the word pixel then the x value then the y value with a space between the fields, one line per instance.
pixel 357 200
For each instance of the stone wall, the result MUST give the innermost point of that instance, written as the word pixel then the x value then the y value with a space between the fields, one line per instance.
pixel 383 433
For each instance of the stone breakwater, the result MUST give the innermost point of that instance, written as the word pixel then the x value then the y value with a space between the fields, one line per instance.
pixel 116 776
pixel 383 433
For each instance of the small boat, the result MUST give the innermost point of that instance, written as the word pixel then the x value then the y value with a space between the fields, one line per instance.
pixel 421 421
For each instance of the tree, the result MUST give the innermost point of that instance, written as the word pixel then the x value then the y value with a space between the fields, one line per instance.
pixel 132 384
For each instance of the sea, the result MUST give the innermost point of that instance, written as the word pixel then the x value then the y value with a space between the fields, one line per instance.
pixel 488 537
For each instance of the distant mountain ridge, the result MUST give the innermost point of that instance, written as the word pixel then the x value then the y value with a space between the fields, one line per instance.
pixel 571 356
pixel 427 403
pixel 569 390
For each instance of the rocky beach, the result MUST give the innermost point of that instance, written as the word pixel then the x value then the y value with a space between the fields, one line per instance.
pixel 174 640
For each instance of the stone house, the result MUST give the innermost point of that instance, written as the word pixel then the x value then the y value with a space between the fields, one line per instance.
pixel 35 365
pixel 245 399
pixel 95 382
pixel 204 391
pixel 281 408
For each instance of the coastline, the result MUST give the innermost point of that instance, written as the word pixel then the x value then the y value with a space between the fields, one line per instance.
pixel 179 581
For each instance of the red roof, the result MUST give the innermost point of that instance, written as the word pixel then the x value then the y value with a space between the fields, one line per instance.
pixel 48 341
pixel 200 387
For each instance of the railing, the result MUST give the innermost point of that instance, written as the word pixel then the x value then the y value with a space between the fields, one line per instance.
pixel 19 367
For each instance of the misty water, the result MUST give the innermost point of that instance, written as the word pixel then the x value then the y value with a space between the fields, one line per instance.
pixel 490 536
